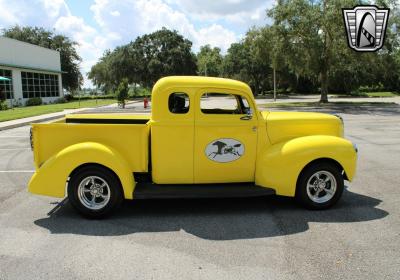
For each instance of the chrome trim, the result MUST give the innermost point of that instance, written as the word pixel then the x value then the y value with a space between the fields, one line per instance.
pixel 321 186
pixel 94 192
pixel 31 137
pixel 340 117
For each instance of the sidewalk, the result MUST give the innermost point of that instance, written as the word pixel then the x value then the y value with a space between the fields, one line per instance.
pixel 53 116
pixel 41 118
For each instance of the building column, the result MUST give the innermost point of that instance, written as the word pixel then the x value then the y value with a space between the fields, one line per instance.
pixel 60 88
pixel 17 85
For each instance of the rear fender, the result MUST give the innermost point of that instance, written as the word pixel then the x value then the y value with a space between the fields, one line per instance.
pixel 50 179
pixel 278 166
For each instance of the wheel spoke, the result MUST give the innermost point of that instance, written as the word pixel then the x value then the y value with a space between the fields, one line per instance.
pixel 328 191
pixel 93 200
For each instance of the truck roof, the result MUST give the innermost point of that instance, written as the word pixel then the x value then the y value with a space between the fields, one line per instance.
pixel 199 81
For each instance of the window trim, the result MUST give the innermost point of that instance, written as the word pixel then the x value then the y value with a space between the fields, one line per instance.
pixel 7 86
pixel 182 93
pixel 227 92
pixel 43 85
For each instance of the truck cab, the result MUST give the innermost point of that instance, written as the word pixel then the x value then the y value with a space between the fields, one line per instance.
pixel 205 133
pixel 205 137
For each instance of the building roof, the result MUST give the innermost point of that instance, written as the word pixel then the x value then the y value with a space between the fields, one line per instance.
pixel 18 54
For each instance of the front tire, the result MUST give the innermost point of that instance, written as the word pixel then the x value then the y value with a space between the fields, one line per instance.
pixel 320 186
pixel 94 191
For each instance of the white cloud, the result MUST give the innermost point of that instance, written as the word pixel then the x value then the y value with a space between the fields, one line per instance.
pixel 119 22
pixel 115 13
pixel 91 43
pixel 6 17
pixel 220 7
pixel 56 8
pixel 215 35
pixel 239 13
pixel 144 16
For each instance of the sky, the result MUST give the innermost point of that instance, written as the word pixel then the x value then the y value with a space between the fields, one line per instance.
pixel 98 25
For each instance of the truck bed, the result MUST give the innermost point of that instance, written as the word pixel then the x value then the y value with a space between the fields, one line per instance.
pixel 127 134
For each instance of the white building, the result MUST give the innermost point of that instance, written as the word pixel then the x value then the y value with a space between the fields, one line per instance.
pixel 34 71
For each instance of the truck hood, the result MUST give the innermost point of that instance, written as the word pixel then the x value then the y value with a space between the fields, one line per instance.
pixel 282 126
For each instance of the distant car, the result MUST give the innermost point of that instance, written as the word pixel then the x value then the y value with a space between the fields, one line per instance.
pixel 190 148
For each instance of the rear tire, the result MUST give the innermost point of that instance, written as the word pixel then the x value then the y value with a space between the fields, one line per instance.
pixel 95 191
pixel 320 186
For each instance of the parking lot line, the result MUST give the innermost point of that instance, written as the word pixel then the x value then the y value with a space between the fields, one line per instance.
pixel 14 149
pixel 13 136
pixel 17 171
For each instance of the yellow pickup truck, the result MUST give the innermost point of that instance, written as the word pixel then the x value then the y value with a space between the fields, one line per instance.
pixel 204 138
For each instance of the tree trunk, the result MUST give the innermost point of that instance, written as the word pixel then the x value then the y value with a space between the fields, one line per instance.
pixel 324 86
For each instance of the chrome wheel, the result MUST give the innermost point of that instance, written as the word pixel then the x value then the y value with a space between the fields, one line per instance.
pixel 94 192
pixel 321 186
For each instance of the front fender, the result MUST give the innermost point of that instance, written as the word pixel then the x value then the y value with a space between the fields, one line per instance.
pixel 50 179
pixel 279 165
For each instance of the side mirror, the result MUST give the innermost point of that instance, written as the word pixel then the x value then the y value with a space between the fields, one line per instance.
pixel 249 115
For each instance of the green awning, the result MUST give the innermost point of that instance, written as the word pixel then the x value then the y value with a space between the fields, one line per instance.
pixel 4 79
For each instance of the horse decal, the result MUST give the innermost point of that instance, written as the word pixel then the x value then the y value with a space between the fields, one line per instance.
pixel 224 150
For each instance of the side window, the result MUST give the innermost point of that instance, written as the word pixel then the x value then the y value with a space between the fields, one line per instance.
pixel 178 103
pixel 224 103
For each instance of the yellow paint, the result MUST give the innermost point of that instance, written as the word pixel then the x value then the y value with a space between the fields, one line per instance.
pixel 51 177
pixel 279 165
pixel 278 145
pixel 283 126
pixel 59 148
pixel 211 127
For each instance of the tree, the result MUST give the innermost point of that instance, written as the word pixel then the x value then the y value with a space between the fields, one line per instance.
pixel 162 53
pixel 250 62
pixel 145 60
pixel 100 73
pixel 314 37
pixel 72 78
pixel 209 61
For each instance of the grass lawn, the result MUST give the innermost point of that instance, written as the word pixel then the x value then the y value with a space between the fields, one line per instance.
pixel 367 94
pixel 325 105
pixel 381 94
pixel 24 112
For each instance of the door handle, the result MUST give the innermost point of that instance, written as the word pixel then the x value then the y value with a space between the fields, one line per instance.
pixel 246 118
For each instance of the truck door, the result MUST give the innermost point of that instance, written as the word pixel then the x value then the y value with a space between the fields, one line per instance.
pixel 225 137
pixel 172 133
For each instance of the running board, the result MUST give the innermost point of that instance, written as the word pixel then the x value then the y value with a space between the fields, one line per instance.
pixel 145 190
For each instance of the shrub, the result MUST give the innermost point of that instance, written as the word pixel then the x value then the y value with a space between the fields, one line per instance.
pixel 34 101
pixel 93 97
pixel 68 98
pixel 3 105
pixel 122 92
pixel 60 100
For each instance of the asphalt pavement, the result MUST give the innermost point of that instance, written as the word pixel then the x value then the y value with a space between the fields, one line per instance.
pixel 251 238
